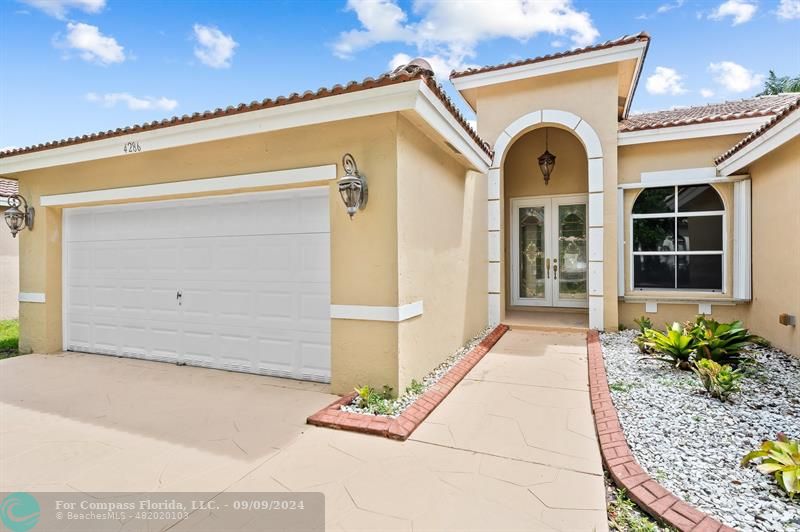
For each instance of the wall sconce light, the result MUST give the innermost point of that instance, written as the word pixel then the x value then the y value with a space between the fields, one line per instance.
pixel 17 219
pixel 547 161
pixel 352 186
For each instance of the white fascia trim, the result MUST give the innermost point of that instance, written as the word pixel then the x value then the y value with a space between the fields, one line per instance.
pixel 693 131
pixel 195 186
pixel 433 111
pixel 683 180
pixel 551 66
pixel 373 313
pixel 391 98
pixel 637 72
pixel 773 138
pixel 31 297
pixel 684 175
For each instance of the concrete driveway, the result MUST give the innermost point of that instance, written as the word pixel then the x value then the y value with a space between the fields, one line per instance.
pixel 510 449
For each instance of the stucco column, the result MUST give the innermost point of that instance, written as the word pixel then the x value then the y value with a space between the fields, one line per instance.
pixel 40 280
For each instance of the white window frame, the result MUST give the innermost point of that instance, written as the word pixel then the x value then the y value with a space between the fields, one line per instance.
pixel 675 215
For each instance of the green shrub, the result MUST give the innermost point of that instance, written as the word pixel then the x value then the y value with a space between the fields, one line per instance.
pixel 780 458
pixel 9 338
pixel 674 346
pixel 720 342
pixel 720 381
pixel 415 388
pixel 375 402
pixel 644 324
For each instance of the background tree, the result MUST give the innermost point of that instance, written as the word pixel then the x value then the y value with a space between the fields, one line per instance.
pixel 777 85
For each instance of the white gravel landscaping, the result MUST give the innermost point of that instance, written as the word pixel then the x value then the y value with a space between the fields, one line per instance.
pixel 692 443
pixel 401 403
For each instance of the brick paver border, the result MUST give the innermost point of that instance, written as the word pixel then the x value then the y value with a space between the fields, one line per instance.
pixel 401 427
pixel 618 459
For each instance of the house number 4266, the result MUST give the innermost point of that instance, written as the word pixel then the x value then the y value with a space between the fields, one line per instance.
pixel 131 147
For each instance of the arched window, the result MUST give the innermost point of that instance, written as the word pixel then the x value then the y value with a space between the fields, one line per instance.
pixel 678 239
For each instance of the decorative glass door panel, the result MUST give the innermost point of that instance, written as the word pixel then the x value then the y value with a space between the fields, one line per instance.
pixel 549 265
pixel 571 276
pixel 532 253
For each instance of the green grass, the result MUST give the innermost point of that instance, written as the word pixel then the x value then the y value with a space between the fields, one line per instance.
pixel 620 386
pixel 9 338
pixel 625 516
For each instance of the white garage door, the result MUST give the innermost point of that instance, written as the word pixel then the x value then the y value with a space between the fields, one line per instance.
pixel 238 282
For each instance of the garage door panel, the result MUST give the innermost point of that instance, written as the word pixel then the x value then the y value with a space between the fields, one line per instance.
pixel 131 336
pixel 253 272
pixel 315 353
pixel 133 301
pixel 163 342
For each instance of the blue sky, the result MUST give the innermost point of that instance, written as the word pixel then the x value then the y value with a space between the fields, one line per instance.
pixel 71 67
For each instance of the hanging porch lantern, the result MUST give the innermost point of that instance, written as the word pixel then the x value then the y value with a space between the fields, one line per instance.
pixel 547 161
pixel 18 219
pixel 352 186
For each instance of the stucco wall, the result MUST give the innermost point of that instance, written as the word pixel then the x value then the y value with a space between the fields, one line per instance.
pixel 9 271
pixel 671 155
pixel 589 93
pixel 776 245
pixel 522 177
pixel 441 252
pixel 363 254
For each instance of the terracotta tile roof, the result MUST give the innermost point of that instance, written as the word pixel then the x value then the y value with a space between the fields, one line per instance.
pixel 411 72
pixel 627 39
pixel 786 111
pixel 8 188
pixel 716 112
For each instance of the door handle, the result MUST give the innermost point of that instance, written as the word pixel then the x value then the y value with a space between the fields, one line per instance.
pixel 547 267
pixel 555 268
pixel 179 297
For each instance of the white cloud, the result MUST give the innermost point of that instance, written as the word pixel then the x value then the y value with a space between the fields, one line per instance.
pixel 93 45
pixel 665 81
pixel 133 103
pixel 60 8
pixel 669 6
pixel 789 9
pixel 735 77
pixel 740 10
pixel 449 32
pixel 215 49
pixel 706 93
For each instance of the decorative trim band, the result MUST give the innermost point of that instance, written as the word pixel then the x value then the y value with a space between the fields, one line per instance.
pixel 31 297
pixel 195 186
pixel 374 313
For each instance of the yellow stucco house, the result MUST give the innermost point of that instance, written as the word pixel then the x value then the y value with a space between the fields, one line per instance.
pixel 222 239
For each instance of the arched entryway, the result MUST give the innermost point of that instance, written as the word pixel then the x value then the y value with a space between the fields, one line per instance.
pixel 557 201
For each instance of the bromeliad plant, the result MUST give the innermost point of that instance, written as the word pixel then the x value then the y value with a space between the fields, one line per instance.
pixel 720 381
pixel 721 342
pixel 644 340
pixel 780 458
pixel 674 346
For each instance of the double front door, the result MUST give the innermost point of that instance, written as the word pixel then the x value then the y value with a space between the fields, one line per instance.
pixel 549 265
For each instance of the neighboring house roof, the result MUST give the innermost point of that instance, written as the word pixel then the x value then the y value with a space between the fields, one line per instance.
pixel 716 112
pixel 411 72
pixel 8 187
pixel 627 39
pixel 791 109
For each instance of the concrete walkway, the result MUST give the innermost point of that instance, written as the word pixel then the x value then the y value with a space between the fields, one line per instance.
pixel 512 447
